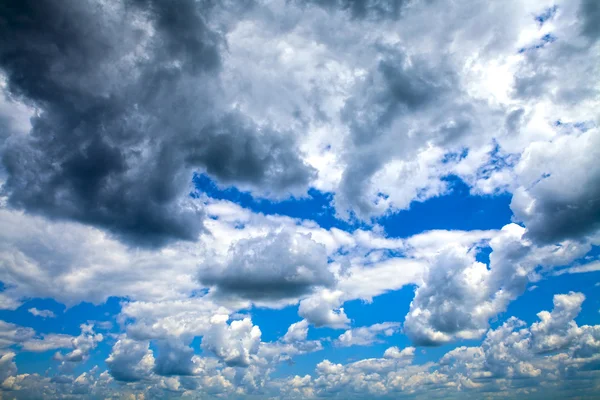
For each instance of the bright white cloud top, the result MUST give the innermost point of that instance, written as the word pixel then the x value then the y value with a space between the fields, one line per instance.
pixel 280 199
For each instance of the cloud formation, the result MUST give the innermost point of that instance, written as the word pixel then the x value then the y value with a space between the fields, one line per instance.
pixel 301 265
pixel 277 266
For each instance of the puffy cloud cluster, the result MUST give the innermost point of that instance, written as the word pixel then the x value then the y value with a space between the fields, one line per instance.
pixel 130 360
pixel 82 345
pixel 234 343
pixel 28 340
pixel 512 360
pixel 459 295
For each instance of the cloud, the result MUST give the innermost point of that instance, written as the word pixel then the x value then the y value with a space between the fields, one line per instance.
pixel 509 361
pixel 11 334
pixel 42 313
pixel 174 358
pixel 109 109
pixel 323 309
pixel 49 342
pixel 459 295
pixel 276 266
pixel 293 343
pixel 590 11
pixel 130 361
pixel 559 198
pixel 82 345
pixel 556 329
pixel 297 331
pixel 234 343
pixel 580 269
pixel 97 151
pixel 367 335
pixel 7 365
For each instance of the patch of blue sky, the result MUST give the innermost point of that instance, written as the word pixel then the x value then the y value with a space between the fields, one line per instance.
pixel 274 323
pixel 315 206
pixel 544 41
pixel 547 15
pixel 582 126
pixel 68 322
pixel 458 210
pixel 532 302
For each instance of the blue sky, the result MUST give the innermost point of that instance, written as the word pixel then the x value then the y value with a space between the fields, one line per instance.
pixel 299 199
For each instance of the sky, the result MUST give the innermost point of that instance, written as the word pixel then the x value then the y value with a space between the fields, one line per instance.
pixel 299 199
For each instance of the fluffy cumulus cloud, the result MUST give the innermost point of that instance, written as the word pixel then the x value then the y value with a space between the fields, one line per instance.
pixel 459 295
pixel 234 343
pixel 299 199
pixel 279 265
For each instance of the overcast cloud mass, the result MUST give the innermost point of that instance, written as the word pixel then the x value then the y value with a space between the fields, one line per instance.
pixel 299 199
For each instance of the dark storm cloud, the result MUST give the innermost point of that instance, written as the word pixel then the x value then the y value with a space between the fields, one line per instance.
pixel 128 103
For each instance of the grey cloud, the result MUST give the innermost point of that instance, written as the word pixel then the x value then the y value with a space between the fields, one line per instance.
pixel 372 9
pixel 129 103
pixel 459 295
pixel 589 11
pixel 82 345
pixel 514 119
pixel 173 358
pixel 380 115
pixel 42 313
pixel 277 266
pixel 11 334
pixel 7 365
pixel 130 361
pixel 564 202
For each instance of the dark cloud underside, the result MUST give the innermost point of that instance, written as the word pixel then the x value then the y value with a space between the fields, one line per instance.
pixel 128 103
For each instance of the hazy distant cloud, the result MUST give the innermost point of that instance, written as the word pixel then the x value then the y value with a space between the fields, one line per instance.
pixel 367 335
pixel 42 313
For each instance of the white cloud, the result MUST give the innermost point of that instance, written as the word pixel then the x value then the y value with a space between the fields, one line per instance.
pixel 234 343
pixel 42 313
pixel 459 295
pixel 323 309
pixel 297 331
pixel 82 345
pixel 367 335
